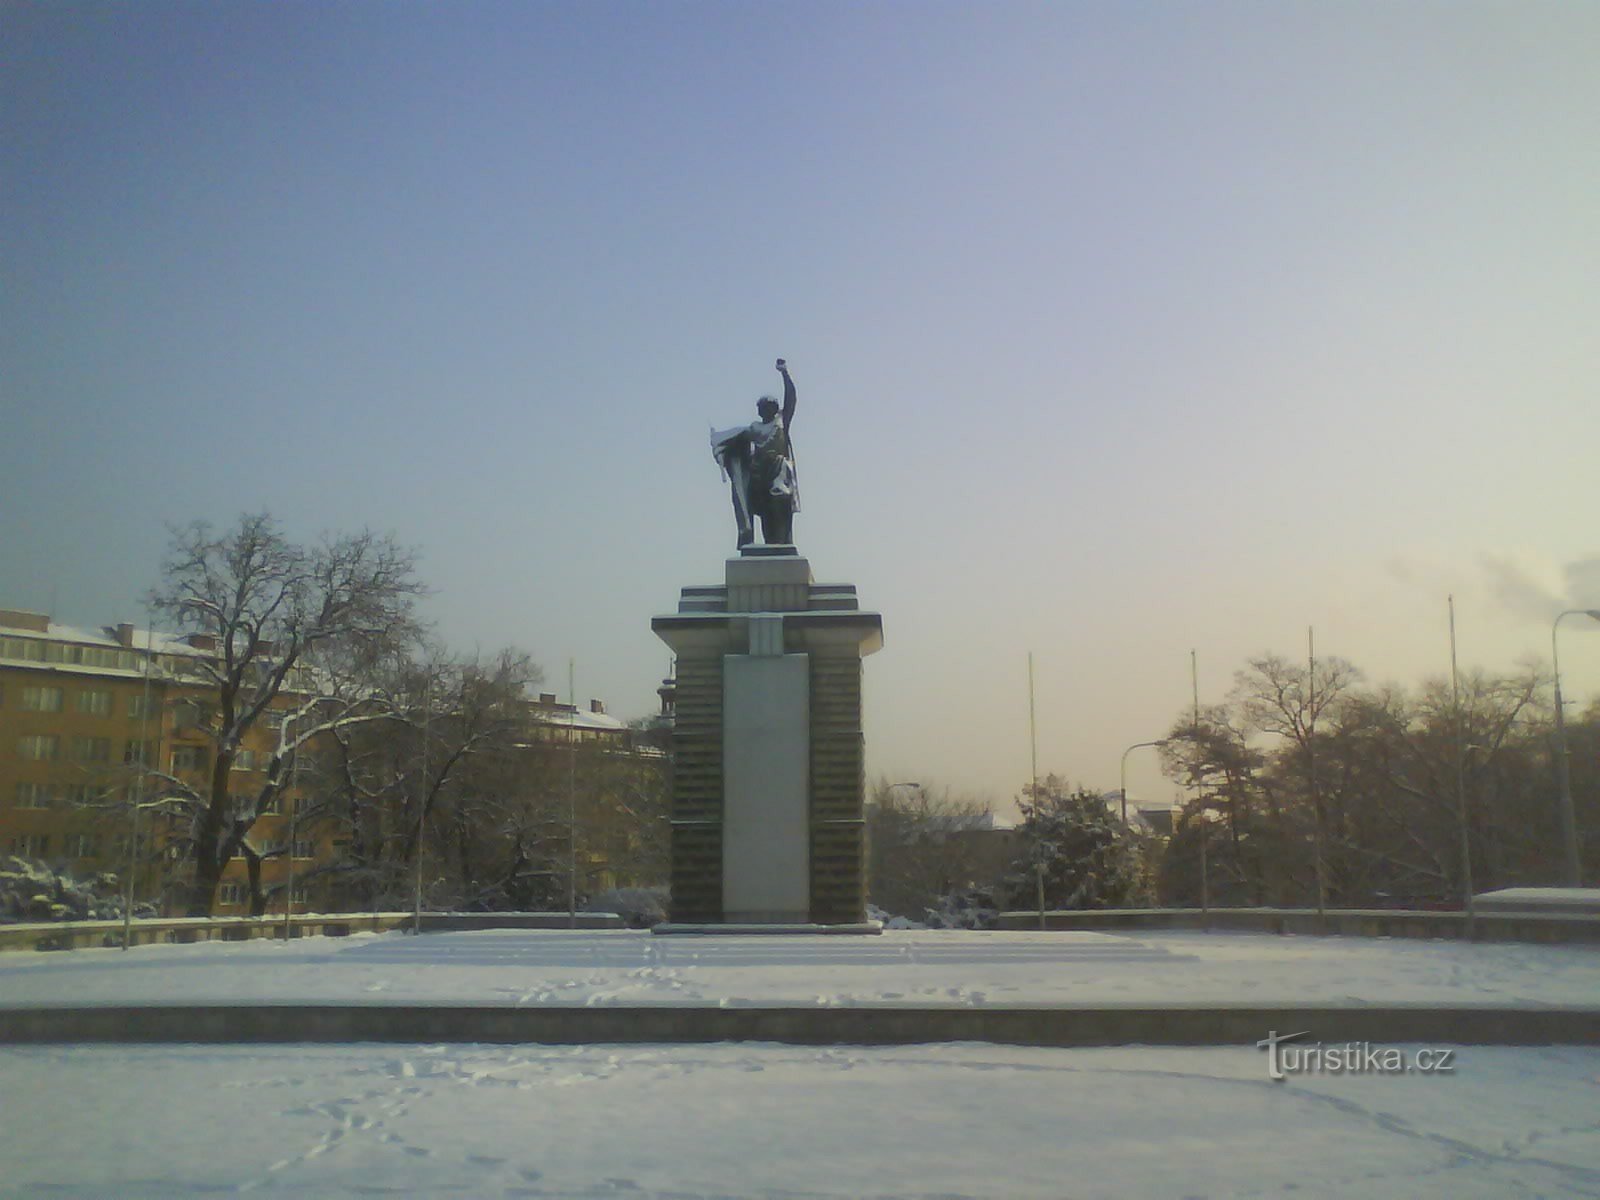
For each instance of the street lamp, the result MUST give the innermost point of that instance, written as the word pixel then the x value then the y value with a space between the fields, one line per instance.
pixel 1569 823
pixel 1125 753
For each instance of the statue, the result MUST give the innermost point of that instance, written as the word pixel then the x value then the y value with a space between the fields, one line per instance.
pixel 758 460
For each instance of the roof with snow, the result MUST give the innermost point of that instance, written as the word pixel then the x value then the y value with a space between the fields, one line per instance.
pixel 565 716
pixel 100 635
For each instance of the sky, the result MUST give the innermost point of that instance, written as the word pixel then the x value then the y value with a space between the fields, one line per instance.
pixel 1120 331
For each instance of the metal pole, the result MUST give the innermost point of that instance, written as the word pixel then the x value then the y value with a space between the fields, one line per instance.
pixel 422 805
pixel 1572 870
pixel 1461 777
pixel 1123 790
pixel 572 797
pixel 1205 827
pixel 1033 738
pixel 1125 753
pixel 138 792
pixel 1033 792
pixel 1311 767
pixel 288 892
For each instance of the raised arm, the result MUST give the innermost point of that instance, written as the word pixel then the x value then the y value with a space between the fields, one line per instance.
pixel 788 394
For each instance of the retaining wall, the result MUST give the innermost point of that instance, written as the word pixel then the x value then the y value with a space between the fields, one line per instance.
pixel 1485 927
pixel 79 935
pixel 1023 1025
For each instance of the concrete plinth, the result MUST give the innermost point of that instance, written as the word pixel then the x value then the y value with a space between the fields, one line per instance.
pixel 769 773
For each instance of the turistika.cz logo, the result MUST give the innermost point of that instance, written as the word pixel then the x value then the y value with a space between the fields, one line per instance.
pixel 1349 1058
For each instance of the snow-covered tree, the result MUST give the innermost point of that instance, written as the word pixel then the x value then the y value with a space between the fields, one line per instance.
pixel 1087 854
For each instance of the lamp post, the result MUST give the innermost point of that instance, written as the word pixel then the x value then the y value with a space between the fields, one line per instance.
pixel 1573 873
pixel 1125 753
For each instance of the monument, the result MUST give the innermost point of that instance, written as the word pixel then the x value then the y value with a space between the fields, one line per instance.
pixel 769 775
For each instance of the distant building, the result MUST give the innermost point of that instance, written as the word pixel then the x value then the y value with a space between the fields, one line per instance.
pixel 1143 816
pixel 567 724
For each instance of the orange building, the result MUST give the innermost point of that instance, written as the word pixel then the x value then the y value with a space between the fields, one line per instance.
pixel 80 711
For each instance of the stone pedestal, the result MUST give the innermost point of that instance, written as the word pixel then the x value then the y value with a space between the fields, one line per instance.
pixel 769 769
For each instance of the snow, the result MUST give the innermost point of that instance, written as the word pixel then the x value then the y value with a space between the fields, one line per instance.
pixel 953 1121
pixel 520 967
pixel 948 1121
pixel 1541 899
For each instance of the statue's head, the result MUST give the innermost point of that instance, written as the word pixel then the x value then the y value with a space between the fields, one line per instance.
pixel 767 408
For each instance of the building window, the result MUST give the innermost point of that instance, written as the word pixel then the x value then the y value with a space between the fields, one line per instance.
pixel 22 649
pixel 188 758
pixel 273 807
pixel 299 894
pixel 305 849
pixel 81 845
pixel 35 795
pixel 80 795
pixel 140 706
pixel 232 893
pixel 137 753
pixel 246 760
pixel 31 845
pixel 41 747
pixel 95 701
pixel 91 749
pixel 192 714
pixel 121 843
pixel 41 699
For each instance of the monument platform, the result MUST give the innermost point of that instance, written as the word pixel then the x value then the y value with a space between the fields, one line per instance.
pixel 769 786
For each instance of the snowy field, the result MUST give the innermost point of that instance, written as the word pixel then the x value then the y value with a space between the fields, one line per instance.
pixel 620 967
pixel 773 1122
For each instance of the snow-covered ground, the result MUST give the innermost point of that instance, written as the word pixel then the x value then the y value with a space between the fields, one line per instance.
pixel 519 967
pixel 791 1122
pixel 947 1121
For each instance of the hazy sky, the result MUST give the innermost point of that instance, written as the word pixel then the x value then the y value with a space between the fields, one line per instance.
pixel 1120 329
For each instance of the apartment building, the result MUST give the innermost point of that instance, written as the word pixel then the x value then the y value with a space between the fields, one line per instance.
pixel 81 709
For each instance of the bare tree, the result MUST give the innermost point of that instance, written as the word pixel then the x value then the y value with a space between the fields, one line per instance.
pixel 317 623
pixel 923 844
pixel 411 785
pixel 1494 726
pixel 1286 700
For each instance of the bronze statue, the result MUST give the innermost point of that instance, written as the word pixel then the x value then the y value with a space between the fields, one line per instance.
pixel 758 460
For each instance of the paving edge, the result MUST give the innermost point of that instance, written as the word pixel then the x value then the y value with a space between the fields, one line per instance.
pixel 1019 1025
